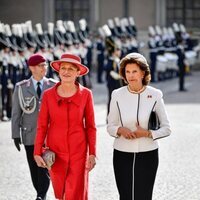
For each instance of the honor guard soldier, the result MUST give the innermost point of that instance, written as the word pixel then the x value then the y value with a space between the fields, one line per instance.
pixel 153 52
pixel 60 32
pixel 133 26
pixel 40 39
pixel 131 41
pixel 12 66
pixel 112 66
pixel 100 49
pixel 80 50
pixel 190 52
pixel 87 49
pixel 49 36
pixel 181 61
pixel 29 39
pixel 58 41
pixel 172 38
pixel 13 57
pixel 5 76
pixel 20 45
pixel 26 103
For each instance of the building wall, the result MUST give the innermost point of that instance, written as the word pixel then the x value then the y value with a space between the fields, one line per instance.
pixel 49 12
pixel 108 9
pixel 18 11
pixel 43 11
pixel 143 12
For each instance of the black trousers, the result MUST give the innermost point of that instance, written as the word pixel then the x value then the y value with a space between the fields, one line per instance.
pixel 135 174
pixel 110 90
pixel 100 68
pixel 40 176
pixel 153 66
pixel 181 77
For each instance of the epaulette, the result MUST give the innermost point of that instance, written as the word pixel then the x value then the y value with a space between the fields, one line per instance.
pixel 22 82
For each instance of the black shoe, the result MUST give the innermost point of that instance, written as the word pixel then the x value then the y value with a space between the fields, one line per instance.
pixel 183 90
pixel 39 198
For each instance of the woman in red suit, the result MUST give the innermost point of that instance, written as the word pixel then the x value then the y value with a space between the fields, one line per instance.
pixel 66 125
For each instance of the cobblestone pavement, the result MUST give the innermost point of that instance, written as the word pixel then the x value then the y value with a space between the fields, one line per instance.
pixel 178 176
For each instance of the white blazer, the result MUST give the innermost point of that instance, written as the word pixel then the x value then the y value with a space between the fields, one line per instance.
pixel 126 109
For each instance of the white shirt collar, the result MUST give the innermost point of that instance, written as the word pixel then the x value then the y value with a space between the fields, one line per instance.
pixel 35 83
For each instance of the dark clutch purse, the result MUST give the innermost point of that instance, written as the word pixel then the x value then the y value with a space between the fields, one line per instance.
pixel 154 123
pixel 48 157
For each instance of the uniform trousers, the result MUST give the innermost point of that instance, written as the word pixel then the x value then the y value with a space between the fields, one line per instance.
pixel 40 176
pixel 153 66
pixel 135 174
pixel 100 68
pixel 110 90
pixel 181 77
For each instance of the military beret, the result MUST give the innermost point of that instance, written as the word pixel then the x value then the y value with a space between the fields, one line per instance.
pixel 36 59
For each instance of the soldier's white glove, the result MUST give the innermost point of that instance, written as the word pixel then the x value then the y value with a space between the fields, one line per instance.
pixel 114 75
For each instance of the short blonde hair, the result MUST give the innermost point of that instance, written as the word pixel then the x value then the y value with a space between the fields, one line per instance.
pixel 141 61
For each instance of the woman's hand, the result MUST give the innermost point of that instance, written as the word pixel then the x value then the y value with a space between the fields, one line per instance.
pixel 40 162
pixel 91 162
pixel 141 132
pixel 126 133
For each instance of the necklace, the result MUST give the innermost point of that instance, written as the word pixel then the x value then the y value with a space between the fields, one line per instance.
pixel 136 92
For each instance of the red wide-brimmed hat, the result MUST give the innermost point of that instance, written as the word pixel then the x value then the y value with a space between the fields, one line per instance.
pixel 70 58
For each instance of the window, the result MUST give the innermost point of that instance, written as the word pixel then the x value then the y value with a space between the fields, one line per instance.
pixel 72 10
pixel 183 11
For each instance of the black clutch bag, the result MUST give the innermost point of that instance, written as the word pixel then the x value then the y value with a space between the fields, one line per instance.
pixel 48 157
pixel 154 123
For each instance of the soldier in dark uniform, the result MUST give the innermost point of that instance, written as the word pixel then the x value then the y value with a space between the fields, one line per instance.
pixel 20 44
pixel 40 39
pixel 29 37
pixel 4 69
pixel 100 46
pixel 26 102
pixel 153 52
pixel 181 61
pixel 112 66
pixel 87 47
pixel 50 38
pixel 112 69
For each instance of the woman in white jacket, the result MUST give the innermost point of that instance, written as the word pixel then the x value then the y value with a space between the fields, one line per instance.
pixel 135 156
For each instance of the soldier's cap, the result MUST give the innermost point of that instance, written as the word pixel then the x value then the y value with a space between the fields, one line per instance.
pixel 137 57
pixel 70 58
pixel 36 59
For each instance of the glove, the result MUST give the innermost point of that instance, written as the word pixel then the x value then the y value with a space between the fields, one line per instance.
pixel 114 75
pixel 17 142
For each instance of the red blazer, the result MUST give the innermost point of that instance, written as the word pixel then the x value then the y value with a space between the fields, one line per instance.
pixel 67 126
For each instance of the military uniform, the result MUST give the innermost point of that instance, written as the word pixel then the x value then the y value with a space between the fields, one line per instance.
pixel 113 48
pixel 26 105
pixel 100 59
pixel 112 76
pixel 181 64
pixel 5 79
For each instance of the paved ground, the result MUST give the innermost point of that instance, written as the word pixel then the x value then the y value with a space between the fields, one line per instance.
pixel 178 176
